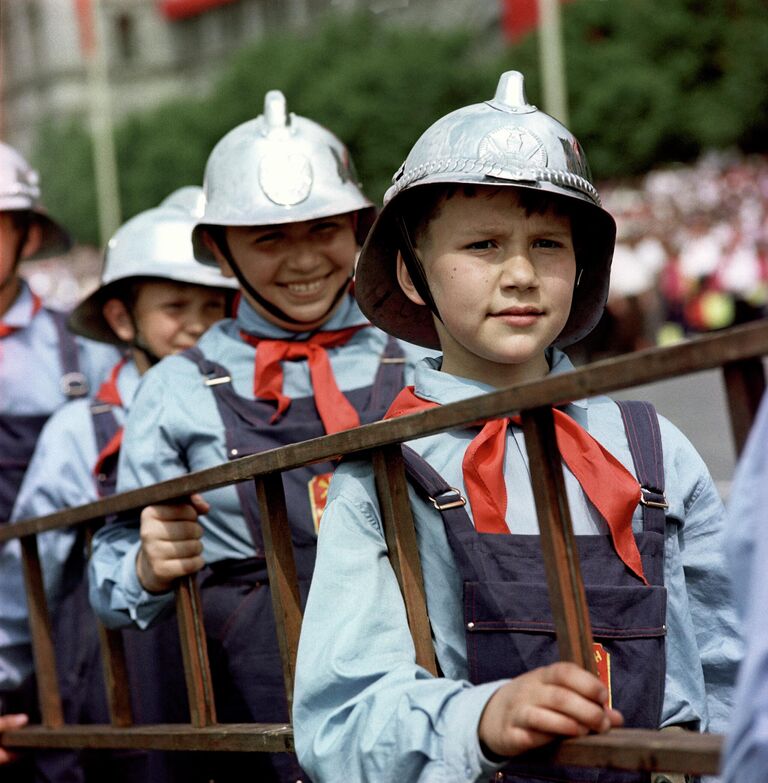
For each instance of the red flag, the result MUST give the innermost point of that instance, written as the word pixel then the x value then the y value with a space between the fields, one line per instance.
pixel 181 9
pixel 519 17
pixel 85 26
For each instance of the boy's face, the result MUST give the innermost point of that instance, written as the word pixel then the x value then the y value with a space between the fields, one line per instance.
pixel 170 316
pixel 502 281
pixel 298 267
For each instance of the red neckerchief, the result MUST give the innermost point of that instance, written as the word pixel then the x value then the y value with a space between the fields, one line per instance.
pixel 6 329
pixel 336 412
pixel 611 488
pixel 109 394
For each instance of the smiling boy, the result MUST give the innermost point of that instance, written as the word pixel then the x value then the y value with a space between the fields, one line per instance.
pixel 492 245
pixel 284 214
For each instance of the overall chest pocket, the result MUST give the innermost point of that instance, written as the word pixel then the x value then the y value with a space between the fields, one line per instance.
pixel 510 630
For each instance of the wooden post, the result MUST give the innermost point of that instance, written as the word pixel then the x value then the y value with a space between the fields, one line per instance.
pixel 48 692
pixel 744 384
pixel 194 651
pixel 281 566
pixel 561 558
pixel 400 533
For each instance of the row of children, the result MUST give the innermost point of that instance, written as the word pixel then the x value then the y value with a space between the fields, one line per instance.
pixel 493 249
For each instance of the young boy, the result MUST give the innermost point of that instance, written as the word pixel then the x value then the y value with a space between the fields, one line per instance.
pixel 41 364
pixel 492 245
pixel 284 215
pixel 154 300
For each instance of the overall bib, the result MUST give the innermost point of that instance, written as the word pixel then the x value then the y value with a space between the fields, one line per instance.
pixel 19 433
pixel 237 604
pixel 508 619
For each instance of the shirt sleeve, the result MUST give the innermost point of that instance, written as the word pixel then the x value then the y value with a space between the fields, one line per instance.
pixel 147 456
pixel 746 749
pixel 701 541
pixel 363 708
pixel 58 477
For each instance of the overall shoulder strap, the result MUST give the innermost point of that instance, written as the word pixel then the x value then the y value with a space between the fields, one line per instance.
pixel 390 376
pixel 641 424
pixel 73 383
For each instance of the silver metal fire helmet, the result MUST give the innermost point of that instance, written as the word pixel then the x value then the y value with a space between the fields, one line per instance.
pixel 20 192
pixel 156 243
pixel 279 168
pixel 502 142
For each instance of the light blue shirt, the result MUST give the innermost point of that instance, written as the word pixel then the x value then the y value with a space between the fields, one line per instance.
pixel 363 710
pixel 175 428
pixel 30 361
pixel 746 750
pixel 59 476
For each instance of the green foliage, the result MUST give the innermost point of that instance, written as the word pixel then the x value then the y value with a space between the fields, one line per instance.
pixel 648 83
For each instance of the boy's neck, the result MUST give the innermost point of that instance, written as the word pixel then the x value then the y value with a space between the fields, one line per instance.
pixel 496 374
pixel 9 291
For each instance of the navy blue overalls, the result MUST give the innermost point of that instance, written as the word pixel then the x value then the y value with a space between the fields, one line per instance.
pixel 19 433
pixel 237 605
pixel 507 615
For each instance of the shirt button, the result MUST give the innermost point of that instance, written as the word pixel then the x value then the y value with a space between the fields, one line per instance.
pixel 470 626
pixel 233 452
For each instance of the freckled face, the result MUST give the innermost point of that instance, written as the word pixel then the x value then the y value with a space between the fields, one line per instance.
pixel 502 280
pixel 298 267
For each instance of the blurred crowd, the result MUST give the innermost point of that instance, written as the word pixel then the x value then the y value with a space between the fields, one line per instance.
pixel 691 254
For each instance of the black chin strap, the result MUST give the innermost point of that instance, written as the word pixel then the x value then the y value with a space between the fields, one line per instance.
pixel 223 246
pixel 138 342
pixel 415 268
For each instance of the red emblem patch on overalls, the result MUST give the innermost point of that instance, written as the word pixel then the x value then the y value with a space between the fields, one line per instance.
pixel 603 666
pixel 318 496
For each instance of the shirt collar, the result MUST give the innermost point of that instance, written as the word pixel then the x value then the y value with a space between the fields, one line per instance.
pixel 430 383
pixel 19 315
pixel 248 320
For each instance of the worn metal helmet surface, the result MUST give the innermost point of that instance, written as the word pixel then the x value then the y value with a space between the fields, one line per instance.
pixel 279 168
pixel 502 142
pixel 20 191
pixel 156 243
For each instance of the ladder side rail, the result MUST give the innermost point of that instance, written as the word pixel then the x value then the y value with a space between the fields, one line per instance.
pixel 403 550
pixel 567 596
pixel 745 384
pixel 283 577
pixel 48 691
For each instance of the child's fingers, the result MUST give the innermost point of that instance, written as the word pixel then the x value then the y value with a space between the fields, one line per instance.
pixel 174 550
pixel 574 678
pixel 157 530
pixel 171 512
pixel 200 504
pixel 573 708
pixel 8 722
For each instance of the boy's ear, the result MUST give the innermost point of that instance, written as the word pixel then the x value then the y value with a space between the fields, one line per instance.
pixel 406 284
pixel 213 246
pixel 119 319
pixel 32 241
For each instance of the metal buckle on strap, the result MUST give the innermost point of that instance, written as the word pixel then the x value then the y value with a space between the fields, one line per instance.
pixel 217 381
pixel 74 384
pixel 101 407
pixel 652 503
pixel 457 502
pixel 392 360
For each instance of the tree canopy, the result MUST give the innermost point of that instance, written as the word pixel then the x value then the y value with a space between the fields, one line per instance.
pixel 646 86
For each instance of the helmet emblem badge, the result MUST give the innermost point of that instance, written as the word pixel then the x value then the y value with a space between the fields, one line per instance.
pixel 513 149
pixel 285 177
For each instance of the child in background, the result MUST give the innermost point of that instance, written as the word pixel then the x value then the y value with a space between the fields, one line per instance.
pixel 492 246
pixel 154 300
pixel 284 215
pixel 41 364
